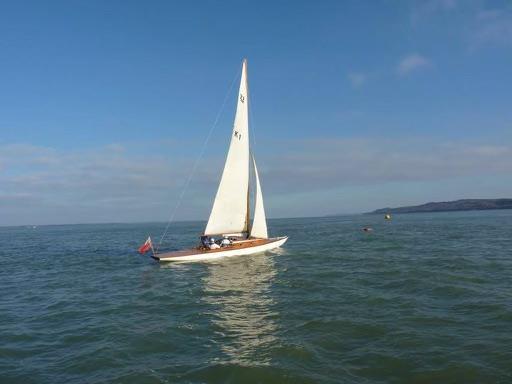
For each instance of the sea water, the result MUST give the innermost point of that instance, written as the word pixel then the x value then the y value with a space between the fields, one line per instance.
pixel 423 298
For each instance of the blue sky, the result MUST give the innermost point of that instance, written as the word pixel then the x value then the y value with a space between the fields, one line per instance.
pixel 104 105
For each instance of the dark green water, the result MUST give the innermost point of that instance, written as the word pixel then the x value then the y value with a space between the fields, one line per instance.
pixel 425 298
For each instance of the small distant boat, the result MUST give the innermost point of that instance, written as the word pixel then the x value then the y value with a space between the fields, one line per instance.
pixel 230 214
pixel 367 229
pixel 387 216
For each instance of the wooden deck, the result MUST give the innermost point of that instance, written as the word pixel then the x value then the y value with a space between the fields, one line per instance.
pixel 198 251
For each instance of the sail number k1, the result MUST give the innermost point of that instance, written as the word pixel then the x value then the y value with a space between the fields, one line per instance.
pixel 242 98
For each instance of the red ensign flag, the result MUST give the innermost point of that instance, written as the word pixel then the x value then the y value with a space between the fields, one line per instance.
pixel 146 246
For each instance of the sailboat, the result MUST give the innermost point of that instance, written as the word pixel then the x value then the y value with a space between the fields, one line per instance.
pixel 230 214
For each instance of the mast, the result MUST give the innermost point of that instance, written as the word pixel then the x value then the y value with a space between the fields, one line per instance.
pixel 248 212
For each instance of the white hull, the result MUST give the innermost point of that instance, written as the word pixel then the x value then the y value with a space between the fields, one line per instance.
pixel 204 256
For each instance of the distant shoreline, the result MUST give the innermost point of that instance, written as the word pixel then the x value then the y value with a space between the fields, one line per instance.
pixel 450 206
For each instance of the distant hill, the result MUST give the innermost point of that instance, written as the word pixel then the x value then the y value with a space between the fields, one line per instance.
pixel 457 205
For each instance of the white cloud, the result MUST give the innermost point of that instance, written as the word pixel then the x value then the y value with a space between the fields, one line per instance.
pixel 106 185
pixel 412 62
pixel 357 79
pixel 423 9
pixel 477 25
pixel 102 184
pixel 492 27
pixel 321 164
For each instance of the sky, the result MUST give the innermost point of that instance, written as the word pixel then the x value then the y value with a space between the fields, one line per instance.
pixel 105 106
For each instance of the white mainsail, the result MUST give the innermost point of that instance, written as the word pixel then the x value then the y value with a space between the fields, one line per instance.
pixel 230 211
pixel 259 222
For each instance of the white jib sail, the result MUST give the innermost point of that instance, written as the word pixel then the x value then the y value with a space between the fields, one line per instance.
pixel 230 209
pixel 259 223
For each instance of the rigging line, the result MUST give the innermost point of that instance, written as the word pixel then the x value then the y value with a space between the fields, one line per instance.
pixel 252 136
pixel 253 129
pixel 194 168
pixel 252 147
pixel 251 121
pixel 251 116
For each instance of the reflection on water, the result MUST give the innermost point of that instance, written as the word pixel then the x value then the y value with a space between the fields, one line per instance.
pixel 243 315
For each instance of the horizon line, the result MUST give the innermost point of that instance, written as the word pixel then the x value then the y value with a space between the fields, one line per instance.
pixel 164 222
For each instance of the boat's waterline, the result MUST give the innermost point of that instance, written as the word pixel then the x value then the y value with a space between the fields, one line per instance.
pixel 171 256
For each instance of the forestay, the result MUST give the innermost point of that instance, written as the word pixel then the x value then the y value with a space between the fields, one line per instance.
pixel 230 211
